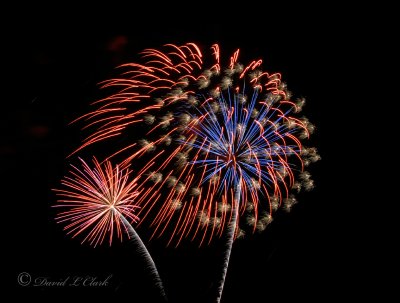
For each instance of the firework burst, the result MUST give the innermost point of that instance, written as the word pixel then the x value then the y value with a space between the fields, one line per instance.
pixel 98 202
pixel 211 126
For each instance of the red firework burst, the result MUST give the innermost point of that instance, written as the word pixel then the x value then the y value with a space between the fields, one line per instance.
pixel 98 201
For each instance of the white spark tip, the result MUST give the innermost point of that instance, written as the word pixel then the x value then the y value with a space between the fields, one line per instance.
pixel 181 159
pixel 250 220
pixel 156 177
pixel 192 100
pixel 149 119
pixel 226 82
pixel 176 204
pixel 266 218
pixel 184 119
pixel 242 99
pixel 240 234
pixel 296 186
pixel 308 184
pixel 249 206
pixel 215 107
pixel 195 191
pixel 167 140
pixel 274 201
pixel 288 203
pixel 171 181
pixel 180 187
pixel 261 226
pixel 215 92
pixel 203 218
pixel 224 207
pixel 147 145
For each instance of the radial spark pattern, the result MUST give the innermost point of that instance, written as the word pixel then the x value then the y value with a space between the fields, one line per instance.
pixel 209 125
pixel 98 202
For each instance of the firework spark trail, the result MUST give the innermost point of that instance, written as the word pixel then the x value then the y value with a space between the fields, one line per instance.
pixel 231 230
pixel 144 253
pixel 206 127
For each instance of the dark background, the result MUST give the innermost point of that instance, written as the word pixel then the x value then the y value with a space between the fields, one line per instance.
pixel 60 56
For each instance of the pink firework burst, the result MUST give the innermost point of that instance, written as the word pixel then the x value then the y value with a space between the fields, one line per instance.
pixel 210 127
pixel 98 202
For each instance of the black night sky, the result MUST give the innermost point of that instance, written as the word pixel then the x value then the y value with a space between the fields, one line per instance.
pixel 61 55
